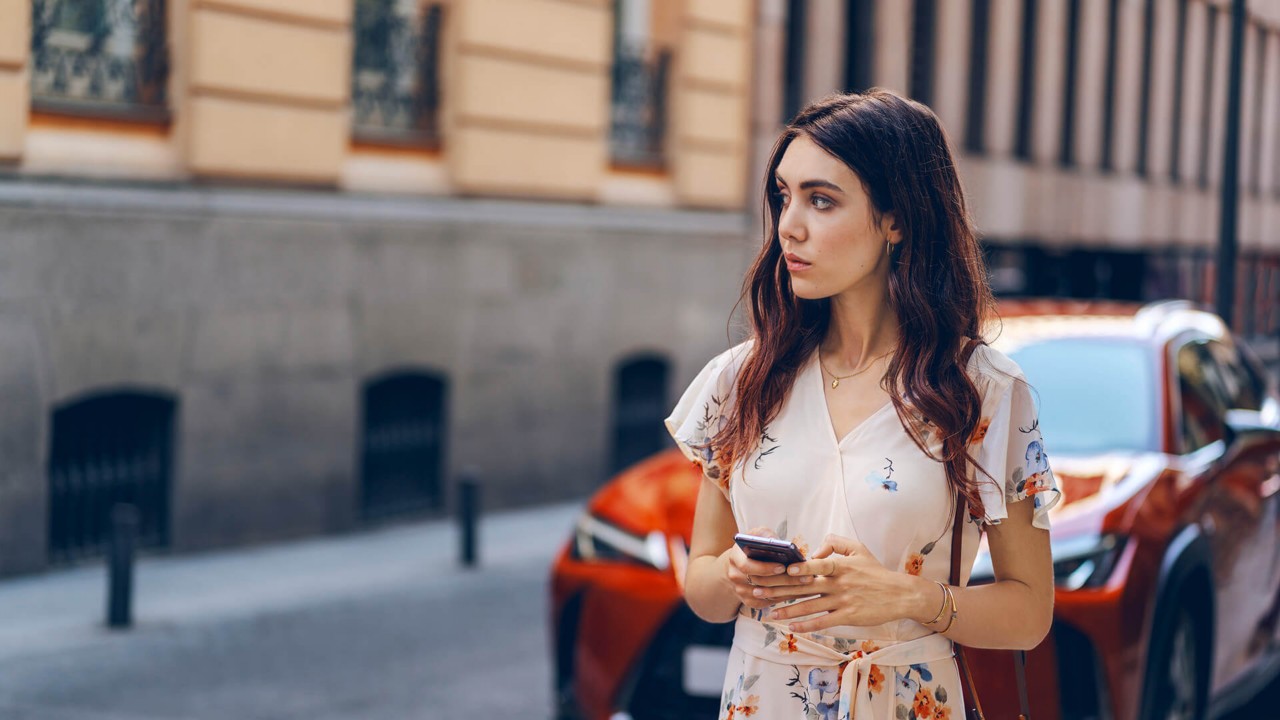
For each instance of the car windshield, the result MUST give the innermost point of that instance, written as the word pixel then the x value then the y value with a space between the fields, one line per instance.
pixel 1095 395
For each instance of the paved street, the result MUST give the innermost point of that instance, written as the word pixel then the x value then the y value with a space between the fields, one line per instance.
pixel 378 625
pixel 370 626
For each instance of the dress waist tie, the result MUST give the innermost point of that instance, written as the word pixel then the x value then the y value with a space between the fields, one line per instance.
pixel 798 649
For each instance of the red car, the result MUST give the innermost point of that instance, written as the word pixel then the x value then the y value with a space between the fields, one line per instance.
pixel 1164 435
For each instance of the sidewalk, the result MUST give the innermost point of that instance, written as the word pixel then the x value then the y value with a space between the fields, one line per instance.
pixel 62 609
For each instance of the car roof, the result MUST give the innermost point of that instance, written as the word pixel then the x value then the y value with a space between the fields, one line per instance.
pixel 1020 321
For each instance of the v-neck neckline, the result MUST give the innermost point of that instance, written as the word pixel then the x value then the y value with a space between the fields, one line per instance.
pixel 816 367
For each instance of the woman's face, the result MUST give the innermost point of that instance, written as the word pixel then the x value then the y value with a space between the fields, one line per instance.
pixel 828 233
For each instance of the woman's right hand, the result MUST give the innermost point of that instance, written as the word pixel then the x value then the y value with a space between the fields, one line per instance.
pixel 744 575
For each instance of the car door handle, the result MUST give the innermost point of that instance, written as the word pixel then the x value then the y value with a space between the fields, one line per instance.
pixel 1271 485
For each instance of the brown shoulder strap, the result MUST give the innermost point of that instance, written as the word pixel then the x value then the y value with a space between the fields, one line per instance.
pixel 974 711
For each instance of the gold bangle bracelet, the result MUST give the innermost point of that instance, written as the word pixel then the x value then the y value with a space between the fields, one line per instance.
pixel 954 612
pixel 941 609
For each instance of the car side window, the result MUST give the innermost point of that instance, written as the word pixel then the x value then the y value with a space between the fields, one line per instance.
pixel 1203 393
pixel 1246 387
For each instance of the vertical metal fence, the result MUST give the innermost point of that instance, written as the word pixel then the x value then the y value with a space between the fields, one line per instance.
pixel 104 57
pixel 395 90
pixel 639 107
pixel 106 450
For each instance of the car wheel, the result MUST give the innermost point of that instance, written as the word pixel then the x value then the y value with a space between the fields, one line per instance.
pixel 1178 671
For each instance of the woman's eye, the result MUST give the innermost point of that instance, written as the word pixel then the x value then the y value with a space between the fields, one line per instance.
pixel 822 203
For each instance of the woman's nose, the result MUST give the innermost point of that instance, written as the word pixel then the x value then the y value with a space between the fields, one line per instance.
pixel 789 225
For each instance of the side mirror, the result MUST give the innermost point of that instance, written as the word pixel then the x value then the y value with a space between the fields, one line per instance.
pixel 1243 424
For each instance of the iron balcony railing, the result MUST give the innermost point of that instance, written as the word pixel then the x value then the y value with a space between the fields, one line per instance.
pixel 639 108
pixel 395 77
pixel 100 57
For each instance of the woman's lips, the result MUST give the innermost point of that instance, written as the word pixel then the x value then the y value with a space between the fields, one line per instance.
pixel 795 264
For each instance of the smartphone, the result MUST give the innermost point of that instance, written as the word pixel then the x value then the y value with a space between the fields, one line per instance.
pixel 769 549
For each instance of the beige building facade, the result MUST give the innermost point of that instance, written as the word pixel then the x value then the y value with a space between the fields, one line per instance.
pixel 276 268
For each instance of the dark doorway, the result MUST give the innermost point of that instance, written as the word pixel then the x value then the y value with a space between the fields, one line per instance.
pixel 109 449
pixel 640 405
pixel 403 448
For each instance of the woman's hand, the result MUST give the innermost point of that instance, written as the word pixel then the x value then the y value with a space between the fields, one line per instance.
pixel 851 586
pixel 746 576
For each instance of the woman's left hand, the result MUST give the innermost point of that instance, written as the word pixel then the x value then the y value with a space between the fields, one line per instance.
pixel 851 586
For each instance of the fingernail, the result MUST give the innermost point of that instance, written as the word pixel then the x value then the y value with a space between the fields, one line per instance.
pixel 794 570
pixel 779 569
pixel 758 592
pixel 806 579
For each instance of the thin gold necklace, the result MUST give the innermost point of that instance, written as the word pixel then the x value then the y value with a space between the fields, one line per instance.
pixel 835 381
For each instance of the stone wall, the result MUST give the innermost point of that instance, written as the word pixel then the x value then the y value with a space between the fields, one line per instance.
pixel 264 312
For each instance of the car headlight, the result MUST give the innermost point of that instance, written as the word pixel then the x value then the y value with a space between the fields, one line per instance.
pixel 1080 562
pixel 599 540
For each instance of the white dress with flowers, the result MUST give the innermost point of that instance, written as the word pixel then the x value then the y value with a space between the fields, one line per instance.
pixel 876 486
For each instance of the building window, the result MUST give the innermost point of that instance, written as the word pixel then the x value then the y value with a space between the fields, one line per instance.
pixel 1179 82
pixel 1070 73
pixel 1144 92
pixel 859 39
pixel 1026 80
pixel 100 57
pixel 402 453
pixel 639 407
pixel 638 110
pixel 1206 105
pixel 923 44
pixel 107 450
pixel 395 78
pixel 793 68
pixel 1109 99
pixel 980 31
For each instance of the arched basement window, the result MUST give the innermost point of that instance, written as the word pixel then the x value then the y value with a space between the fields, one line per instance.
pixel 108 449
pixel 402 451
pixel 640 404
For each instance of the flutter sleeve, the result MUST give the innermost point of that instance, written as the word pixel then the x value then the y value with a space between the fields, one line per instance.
pixel 1012 451
pixel 701 414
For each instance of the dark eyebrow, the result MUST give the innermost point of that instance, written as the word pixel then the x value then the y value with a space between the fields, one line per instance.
pixel 821 184
pixel 812 184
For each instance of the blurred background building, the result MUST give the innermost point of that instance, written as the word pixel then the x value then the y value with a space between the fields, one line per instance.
pixel 273 267
pixel 279 267
pixel 1090 132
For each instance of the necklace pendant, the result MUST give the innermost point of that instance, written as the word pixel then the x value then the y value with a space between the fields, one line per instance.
pixel 835 384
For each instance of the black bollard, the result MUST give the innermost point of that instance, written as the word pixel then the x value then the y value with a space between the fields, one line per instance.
pixel 468 517
pixel 124 531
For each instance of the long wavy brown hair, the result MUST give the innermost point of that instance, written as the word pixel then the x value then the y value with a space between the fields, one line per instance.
pixel 937 282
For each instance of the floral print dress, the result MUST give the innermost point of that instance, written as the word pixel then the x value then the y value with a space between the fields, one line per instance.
pixel 876 486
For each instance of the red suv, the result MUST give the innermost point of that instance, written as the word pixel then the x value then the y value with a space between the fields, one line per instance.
pixel 1164 436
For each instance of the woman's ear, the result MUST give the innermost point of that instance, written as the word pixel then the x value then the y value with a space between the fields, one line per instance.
pixel 890 227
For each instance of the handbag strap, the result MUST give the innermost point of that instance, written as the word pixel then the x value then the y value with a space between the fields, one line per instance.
pixel 974 711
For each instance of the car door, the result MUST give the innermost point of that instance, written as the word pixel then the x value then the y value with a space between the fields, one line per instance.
pixel 1235 505
pixel 1258 454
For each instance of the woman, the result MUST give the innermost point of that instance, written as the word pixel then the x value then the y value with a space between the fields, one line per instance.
pixel 850 422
